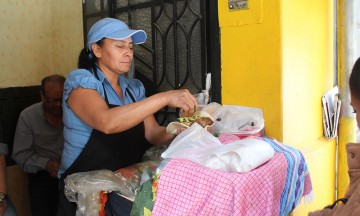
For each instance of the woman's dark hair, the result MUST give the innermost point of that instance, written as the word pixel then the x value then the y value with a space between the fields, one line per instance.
pixel 87 59
pixel 354 80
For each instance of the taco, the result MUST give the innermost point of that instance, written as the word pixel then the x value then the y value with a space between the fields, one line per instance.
pixel 202 118
pixel 203 121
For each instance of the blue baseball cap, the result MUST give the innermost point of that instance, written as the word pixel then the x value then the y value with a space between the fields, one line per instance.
pixel 114 29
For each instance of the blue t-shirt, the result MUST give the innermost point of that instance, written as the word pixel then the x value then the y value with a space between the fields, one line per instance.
pixel 77 132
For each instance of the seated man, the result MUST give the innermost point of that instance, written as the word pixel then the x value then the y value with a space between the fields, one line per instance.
pixel 38 145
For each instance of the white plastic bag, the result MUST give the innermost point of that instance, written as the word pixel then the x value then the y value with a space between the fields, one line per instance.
pixel 198 145
pixel 242 155
pixel 195 144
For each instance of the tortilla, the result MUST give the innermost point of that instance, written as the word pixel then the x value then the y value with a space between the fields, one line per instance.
pixel 202 118
pixel 173 127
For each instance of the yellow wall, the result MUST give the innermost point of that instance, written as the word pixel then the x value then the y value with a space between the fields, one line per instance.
pixel 37 38
pixel 280 59
pixel 251 60
pixel 67 34
pixel 308 68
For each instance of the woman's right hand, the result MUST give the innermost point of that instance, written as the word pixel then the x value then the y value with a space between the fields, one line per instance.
pixel 182 99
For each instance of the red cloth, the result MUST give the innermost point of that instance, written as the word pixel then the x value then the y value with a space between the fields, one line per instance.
pixel 102 199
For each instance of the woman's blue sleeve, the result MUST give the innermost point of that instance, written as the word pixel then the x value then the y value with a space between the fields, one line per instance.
pixel 81 78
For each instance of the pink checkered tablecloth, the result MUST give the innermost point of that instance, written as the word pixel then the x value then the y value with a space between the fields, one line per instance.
pixel 186 188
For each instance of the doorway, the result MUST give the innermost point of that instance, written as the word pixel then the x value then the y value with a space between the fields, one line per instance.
pixel 183 43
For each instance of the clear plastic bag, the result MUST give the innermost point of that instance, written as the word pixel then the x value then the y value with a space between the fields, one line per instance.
pixel 239 120
pixel 84 187
pixel 154 153
pixel 203 97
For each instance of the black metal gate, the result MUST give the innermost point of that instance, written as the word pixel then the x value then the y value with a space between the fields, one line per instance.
pixel 179 51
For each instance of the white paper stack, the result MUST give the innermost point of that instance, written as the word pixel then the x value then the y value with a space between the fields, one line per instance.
pixel 331 105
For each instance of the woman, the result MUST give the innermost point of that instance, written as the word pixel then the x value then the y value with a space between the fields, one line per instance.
pixel 108 122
